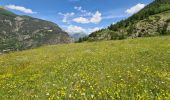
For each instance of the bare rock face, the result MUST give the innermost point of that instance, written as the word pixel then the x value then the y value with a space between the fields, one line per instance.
pixel 24 32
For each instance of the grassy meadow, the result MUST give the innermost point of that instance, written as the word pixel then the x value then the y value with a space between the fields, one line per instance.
pixel 132 69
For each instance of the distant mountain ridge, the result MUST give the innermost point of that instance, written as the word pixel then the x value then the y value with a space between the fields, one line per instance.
pixel 24 32
pixel 77 36
pixel 153 20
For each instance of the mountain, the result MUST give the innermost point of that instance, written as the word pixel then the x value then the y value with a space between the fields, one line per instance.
pixel 24 32
pixel 153 20
pixel 77 36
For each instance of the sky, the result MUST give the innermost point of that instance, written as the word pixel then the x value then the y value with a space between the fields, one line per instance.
pixel 77 16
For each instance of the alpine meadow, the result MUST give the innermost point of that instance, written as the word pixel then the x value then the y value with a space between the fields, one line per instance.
pixel 68 51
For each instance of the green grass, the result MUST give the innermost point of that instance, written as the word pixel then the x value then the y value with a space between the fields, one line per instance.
pixel 133 69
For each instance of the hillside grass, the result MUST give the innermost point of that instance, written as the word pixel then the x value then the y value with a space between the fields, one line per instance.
pixel 132 69
pixel 6 12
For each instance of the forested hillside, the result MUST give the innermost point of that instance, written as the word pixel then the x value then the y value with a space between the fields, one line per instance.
pixel 153 20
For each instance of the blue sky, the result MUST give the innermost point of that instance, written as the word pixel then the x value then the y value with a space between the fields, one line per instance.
pixel 77 16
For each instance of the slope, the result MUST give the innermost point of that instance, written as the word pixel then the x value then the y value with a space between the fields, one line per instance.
pixel 128 69
pixel 153 20
pixel 24 32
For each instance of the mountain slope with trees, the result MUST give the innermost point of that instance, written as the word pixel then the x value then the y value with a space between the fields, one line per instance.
pixel 153 20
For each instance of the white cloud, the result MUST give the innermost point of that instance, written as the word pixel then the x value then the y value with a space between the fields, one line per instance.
pixel 135 8
pixel 84 17
pixel 81 20
pixel 113 23
pixel 79 8
pixel 96 18
pixel 72 29
pixel 66 16
pixel 94 29
pixel 75 29
pixel 20 8
pixel 114 16
pixel 84 12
